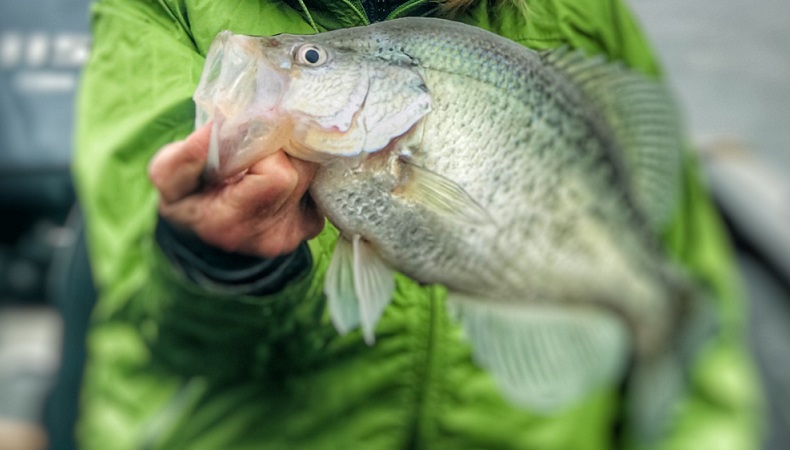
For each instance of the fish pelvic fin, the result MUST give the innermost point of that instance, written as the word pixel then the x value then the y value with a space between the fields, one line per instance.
pixel 359 286
pixel 339 288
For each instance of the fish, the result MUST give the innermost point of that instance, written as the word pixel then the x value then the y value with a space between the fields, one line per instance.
pixel 533 185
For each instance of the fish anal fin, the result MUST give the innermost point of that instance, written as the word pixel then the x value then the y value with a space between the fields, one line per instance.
pixel 544 358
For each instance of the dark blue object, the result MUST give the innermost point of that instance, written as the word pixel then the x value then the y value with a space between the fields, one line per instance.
pixel 43 44
pixel 74 295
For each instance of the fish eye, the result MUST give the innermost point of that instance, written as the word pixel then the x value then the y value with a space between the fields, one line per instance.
pixel 311 55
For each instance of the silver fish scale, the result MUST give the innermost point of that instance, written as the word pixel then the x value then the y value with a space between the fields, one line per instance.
pixel 523 144
pixel 532 195
pixel 456 49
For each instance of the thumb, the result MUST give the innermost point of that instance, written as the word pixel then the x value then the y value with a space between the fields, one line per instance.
pixel 176 168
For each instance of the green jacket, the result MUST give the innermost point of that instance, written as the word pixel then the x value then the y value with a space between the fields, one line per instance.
pixel 173 366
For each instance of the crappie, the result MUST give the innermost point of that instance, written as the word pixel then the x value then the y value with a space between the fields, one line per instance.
pixel 532 185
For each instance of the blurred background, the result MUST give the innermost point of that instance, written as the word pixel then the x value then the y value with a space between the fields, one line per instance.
pixel 43 44
pixel 729 61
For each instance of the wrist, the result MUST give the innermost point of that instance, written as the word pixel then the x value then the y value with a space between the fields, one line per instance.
pixel 224 272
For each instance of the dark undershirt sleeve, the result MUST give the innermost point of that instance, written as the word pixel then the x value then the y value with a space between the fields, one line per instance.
pixel 229 273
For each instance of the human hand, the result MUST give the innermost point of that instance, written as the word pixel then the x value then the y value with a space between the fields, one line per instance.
pixel 263 213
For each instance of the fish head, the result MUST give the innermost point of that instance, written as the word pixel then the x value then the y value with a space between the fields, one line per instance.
pixel 316 99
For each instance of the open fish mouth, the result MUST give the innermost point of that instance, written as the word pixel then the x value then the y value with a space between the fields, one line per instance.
pixel 239 92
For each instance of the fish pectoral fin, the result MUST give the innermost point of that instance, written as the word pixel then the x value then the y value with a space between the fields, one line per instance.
pixel 544 358
pixel 441 195
pixel 339 288
pixel 358 287
pixel 374 284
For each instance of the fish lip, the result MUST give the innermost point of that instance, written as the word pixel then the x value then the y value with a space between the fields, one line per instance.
pixel 243 84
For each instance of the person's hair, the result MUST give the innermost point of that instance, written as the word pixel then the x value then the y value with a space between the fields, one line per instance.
pixel 451 7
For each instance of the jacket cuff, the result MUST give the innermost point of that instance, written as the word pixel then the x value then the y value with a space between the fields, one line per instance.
pixel 229 273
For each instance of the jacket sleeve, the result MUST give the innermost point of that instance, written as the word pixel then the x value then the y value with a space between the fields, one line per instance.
pixel 228 273
pixel 722 408
pixel 135 97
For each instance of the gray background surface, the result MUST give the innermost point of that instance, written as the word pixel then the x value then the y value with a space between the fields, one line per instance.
pixel 729 63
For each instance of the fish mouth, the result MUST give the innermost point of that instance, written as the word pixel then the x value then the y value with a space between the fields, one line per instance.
pixel 239 94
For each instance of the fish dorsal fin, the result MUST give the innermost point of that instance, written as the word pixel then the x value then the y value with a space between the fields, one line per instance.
pixel 358 286
pixel 544 358
pixel 441 195
pixel 645 121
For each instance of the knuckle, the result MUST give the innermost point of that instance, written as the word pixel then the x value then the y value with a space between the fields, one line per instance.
pixel 285 180
pixel 155 173
pixel 275 195
pixel 281 173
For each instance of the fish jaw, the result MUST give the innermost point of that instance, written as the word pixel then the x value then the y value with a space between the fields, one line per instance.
pixel 240 93
pixel 259 100
pixel 262 96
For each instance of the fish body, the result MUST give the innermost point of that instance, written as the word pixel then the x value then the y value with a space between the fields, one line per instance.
pixel 530 184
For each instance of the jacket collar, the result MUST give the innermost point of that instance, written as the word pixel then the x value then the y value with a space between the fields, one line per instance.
pixel 326 15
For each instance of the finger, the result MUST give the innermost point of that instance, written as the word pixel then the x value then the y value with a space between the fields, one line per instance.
pixel 298 224
pixel 312 221
pixel 306 171
pixel 188 212
pixel 285 177
pixel 268 185
pixel 260 197
pixel 175 170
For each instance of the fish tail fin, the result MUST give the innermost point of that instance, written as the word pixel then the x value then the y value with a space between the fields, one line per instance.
pixel 657 384
pixel 654 389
